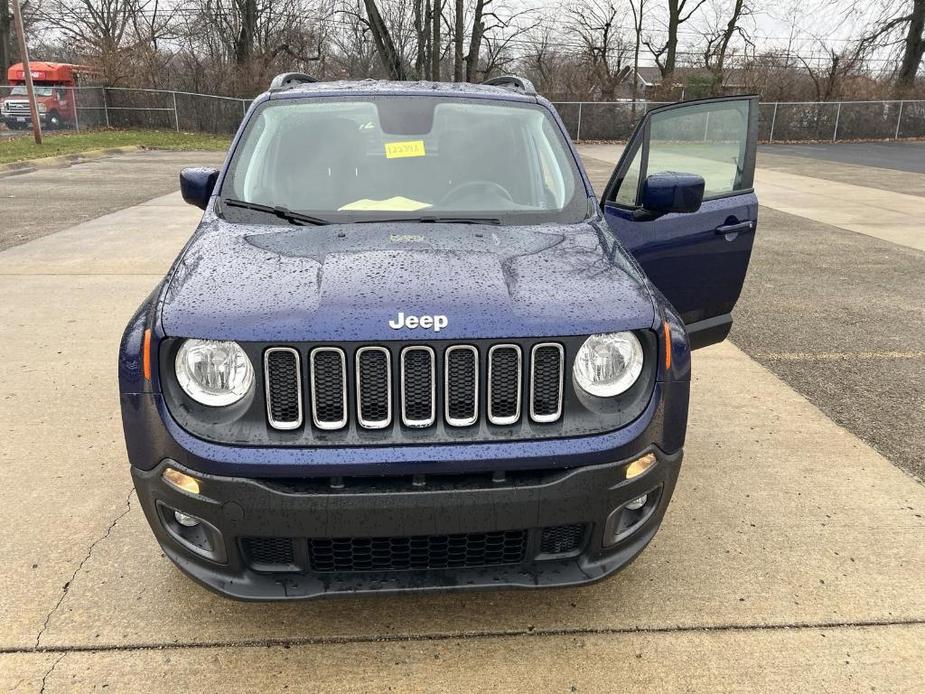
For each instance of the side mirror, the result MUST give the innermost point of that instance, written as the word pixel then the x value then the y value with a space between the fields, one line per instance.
pixel 669 191
pixel 196 184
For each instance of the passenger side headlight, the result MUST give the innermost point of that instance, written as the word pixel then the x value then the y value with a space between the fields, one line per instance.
pixel 214 373
pixel 608 364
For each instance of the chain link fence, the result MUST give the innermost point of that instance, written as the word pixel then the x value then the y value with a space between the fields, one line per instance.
pixel 814 121
pixel 88 108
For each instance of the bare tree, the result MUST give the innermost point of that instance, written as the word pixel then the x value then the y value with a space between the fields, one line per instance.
pixel 718 37
pixel 829 71
pixel 6 45
pixel 95 27
pixel 900 24
pixel 596 24
pixel 679 12
pixel 638 8
pixel 475 39
pixel 436 54
pixel 390 58
pixel 458 36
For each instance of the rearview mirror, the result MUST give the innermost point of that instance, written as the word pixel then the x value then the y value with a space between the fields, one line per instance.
pixel 670 191
pixel 196 184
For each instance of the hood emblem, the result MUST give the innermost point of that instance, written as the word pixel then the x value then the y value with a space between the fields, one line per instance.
pixel 435 323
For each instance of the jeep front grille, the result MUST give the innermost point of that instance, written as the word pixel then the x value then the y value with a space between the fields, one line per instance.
pixel 546 373
pixel 461 385
pixel 328 376
pixel 374 387
pixel 505 381
pixel 282 374
pixel 418 382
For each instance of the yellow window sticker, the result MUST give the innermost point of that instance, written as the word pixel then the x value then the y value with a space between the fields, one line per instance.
pixel 408 148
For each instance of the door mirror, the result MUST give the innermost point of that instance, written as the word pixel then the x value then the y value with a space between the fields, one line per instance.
pixel 669 191
pixel 196 185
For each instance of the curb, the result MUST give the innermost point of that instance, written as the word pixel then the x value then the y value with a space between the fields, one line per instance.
pixel 65 159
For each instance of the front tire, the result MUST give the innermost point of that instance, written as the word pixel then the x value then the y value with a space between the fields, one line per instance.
pixel 54 121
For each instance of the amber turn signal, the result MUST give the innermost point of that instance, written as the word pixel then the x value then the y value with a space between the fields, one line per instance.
pixel 666 329
pixel 181 480
pixel 146 355
pixel 640 465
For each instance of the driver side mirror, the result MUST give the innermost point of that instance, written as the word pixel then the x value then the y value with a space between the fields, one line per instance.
pixel 196 184
pixel 670 191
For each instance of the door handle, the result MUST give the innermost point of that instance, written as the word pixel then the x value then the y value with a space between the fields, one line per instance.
pixel 747 225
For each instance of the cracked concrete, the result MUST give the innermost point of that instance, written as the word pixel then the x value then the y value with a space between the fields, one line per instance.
pixel 791 558
pixel 70 581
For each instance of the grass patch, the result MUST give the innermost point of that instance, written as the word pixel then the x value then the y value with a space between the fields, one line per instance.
pixel 22 148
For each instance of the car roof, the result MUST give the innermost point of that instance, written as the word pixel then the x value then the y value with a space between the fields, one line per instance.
pixel 371 87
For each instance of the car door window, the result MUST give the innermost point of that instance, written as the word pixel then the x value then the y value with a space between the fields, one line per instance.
pixel 708 139
pixel 626 192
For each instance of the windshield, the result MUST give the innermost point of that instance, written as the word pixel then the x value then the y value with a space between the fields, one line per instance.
pixel 20 90
pixel 407 157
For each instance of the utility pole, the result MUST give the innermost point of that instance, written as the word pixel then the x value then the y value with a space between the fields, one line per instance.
pixel 27 72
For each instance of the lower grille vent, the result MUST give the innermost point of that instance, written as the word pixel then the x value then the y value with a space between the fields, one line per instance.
pixel 417 552
pixel 562 539
pixel 269 553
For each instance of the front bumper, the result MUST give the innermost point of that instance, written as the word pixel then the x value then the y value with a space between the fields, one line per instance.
pixel 406 512
pixel 19 119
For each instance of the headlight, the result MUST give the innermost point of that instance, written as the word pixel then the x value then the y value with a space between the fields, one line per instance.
pixel 42 108
pixel 608 364
pixel 214 373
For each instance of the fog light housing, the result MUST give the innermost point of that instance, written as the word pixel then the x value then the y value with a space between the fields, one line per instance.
pixel 630 516
pixel 185 520
pixel 633 505
pixel 193 533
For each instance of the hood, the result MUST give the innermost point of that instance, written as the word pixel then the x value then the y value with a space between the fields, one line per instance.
pixel 347 282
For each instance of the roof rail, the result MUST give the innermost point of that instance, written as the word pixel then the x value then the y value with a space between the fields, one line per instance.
pixel 286 80
pixel 519 83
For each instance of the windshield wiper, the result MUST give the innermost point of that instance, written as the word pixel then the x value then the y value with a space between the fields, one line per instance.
pixel 433 220
pixel 279 211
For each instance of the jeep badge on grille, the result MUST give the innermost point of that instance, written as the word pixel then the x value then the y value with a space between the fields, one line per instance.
pixel 435 323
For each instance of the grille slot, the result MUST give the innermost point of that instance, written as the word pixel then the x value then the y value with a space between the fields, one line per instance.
pixel 461 385
pixel 374 387
pixel 329 387
pixel 562 539
pixel 420 552
pixel 505 380
pixel 269 553
pixel 546 374
pixel 418 387
pixel 283 378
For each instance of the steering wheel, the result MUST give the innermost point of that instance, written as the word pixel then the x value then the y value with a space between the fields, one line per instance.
pixel 467 189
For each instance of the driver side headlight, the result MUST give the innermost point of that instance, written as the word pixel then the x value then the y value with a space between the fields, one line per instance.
pixel 608 364
pixel 214 373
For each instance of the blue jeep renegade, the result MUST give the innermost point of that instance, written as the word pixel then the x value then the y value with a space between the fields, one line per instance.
pixel 408 349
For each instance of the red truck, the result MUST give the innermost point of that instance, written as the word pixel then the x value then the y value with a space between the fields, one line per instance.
pixel 54 94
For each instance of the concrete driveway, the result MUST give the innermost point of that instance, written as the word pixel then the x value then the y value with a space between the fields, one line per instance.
pixel 792 557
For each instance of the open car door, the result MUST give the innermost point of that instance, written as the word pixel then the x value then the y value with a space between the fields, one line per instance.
pixel 681 201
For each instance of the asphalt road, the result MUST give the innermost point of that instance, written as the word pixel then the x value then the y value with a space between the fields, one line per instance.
pixel 40 202
pixel 899 156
